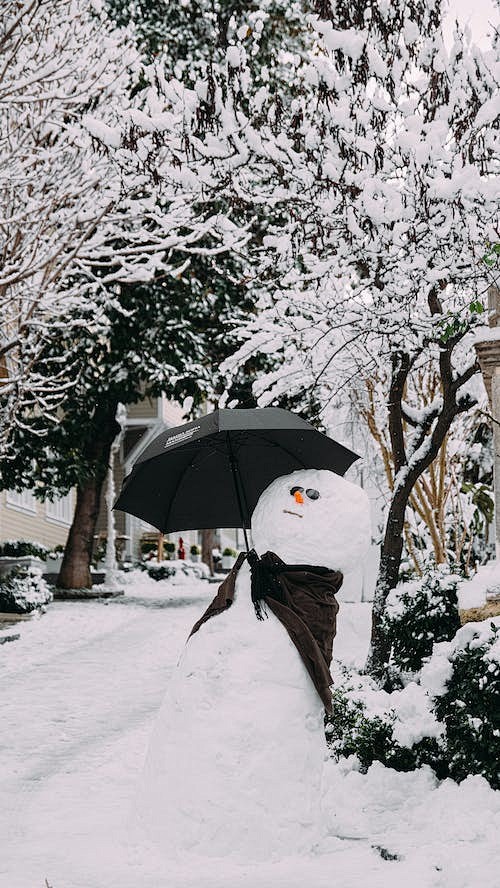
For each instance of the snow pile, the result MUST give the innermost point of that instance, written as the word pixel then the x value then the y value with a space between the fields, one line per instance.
pixel 473 592
pixel 88 680
pixel 440 830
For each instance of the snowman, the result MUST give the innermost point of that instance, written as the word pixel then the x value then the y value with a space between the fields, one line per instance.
pixel 235 762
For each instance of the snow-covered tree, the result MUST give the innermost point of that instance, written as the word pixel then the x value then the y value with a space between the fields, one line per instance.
pixel 388 186
pixel 116 325
pixel 450 507
pixel 59 59
pixel 362 187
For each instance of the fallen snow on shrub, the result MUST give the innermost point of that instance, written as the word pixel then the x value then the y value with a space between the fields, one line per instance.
pixel 23 591
pixel 448 718
pixel 141 582
pixel 420 613
pixel 463 676
pixel 398 729
pixel 22 549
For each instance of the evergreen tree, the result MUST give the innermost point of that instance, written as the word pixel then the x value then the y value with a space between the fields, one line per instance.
pixel 154 341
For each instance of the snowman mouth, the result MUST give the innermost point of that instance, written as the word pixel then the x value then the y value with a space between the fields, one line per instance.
pixel 293 513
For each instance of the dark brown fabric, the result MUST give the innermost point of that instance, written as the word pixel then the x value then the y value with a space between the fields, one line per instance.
pixel 309 614
pixel 224 597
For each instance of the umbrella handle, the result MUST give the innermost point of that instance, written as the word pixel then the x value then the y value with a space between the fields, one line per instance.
pixel 238 484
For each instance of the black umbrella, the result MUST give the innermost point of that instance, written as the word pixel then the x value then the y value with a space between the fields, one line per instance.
pixel 211 472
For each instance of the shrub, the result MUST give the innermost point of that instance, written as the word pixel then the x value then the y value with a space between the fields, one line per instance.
pixel 169 547
pixel 450 721
pixel 160 571
pixel 420 613
pixel 468 703
pixel 195 550
pixel 229 553
pixel 23 591
pixel 148 546
pixel 353 730
pixel 23 548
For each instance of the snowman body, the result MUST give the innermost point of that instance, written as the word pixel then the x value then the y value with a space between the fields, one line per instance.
pixel 235 763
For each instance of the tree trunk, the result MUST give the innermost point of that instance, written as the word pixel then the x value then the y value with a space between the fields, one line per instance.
pixel 75 569
pixel 207 544
pixel 392 546
pixel 390 560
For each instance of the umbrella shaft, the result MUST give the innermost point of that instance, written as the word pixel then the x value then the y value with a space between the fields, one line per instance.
pixel 238 486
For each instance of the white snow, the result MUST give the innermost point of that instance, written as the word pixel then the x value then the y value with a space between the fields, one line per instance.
pixel 486 334
pixel 438 670
pixel 472 593
pixel 80 692
pixel 235 763
pixel 332 530
pixel 108 135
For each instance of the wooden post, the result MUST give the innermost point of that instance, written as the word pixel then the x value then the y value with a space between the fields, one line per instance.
pixel 160 547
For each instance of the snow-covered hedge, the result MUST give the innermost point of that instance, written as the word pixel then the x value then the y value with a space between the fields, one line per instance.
pixel 420 613
pixel 397 729
pixel 22 548
pixel 160 571
pixel 177 569
pixel 463 679
pixel 23 591
pixel 448 717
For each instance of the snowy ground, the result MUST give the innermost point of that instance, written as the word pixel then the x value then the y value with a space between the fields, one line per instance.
pixel 80 690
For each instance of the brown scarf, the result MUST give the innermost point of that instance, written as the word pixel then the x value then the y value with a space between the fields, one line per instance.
pixel 304 602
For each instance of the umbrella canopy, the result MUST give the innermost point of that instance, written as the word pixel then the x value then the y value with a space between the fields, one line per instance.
pixel 211 472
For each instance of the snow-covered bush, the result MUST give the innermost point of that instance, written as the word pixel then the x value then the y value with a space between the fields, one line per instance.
pixel 448 719
pixel 396 729
pixel 463 677
pixel 23 548
pixel 420 613
pixel 23 591
pixel 160 570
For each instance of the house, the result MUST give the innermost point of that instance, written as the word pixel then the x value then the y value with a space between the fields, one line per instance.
pixel 145 420
pixel 22 517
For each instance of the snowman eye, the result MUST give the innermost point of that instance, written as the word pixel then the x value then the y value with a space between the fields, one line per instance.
pixel 312 494
pixel 294 490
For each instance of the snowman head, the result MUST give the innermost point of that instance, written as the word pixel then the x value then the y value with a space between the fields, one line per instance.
pixel 313 516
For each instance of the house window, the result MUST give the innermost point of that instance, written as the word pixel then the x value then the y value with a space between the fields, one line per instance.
pixel 22 500
pixel 61 510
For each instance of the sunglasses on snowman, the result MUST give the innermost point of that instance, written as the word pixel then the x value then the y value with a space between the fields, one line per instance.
pixel 310 492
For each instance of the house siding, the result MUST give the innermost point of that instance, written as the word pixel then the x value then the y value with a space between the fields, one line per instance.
pixel 17 524
pixel 146 409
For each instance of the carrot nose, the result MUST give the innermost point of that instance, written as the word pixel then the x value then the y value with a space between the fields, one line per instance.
pixel 298 497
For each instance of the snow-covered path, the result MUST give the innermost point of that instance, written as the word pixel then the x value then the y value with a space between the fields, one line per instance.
pixel 80 690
